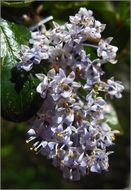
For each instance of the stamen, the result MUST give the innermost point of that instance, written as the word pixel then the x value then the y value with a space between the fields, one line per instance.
pixel 62 146
pixel 30 139
pixel 59 134
pixel 56 150
pixel 35 144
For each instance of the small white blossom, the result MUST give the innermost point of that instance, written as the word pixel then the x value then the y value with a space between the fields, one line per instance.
pixel 71 127
pixel 114 88
pixel 107 51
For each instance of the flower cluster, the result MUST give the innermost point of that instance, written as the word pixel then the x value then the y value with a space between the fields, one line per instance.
pixel 70 127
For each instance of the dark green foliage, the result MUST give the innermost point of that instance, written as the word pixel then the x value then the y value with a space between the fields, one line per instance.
pixel 21 168
pixel 18 89
pixel 17 4
pixel 12 36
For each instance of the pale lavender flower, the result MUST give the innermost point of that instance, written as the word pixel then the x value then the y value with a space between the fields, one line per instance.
pixel 107 51
pixel 70 128
pixel 63 86
pixel 101 161
pixel 93 74
pixel 114 88
pixel 43 86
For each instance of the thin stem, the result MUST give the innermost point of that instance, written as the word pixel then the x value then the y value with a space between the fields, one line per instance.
pixel 41 23
pixel 90 45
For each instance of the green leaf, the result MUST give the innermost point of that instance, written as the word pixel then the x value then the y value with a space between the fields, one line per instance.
pixel 6 150
pixel 19 105
pixel 124 10
pixel 12 36
pixel 23 3
pixel 91 52
pixel 112 118
pixel 18 91
pixel 102 6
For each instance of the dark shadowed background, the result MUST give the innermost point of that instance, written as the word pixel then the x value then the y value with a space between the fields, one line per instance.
pixel 21 168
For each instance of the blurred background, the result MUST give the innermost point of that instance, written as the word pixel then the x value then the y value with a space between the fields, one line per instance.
pixel 20 167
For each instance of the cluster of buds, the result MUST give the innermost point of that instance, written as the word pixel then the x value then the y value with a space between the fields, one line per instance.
pixel 70 127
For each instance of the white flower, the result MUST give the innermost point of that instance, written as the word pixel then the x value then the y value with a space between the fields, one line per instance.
pixel 114 88
pixel 71 127
pixel 101 161
pixel 62 85
pixel 37 39
pixel 107 51
pixel 43 86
